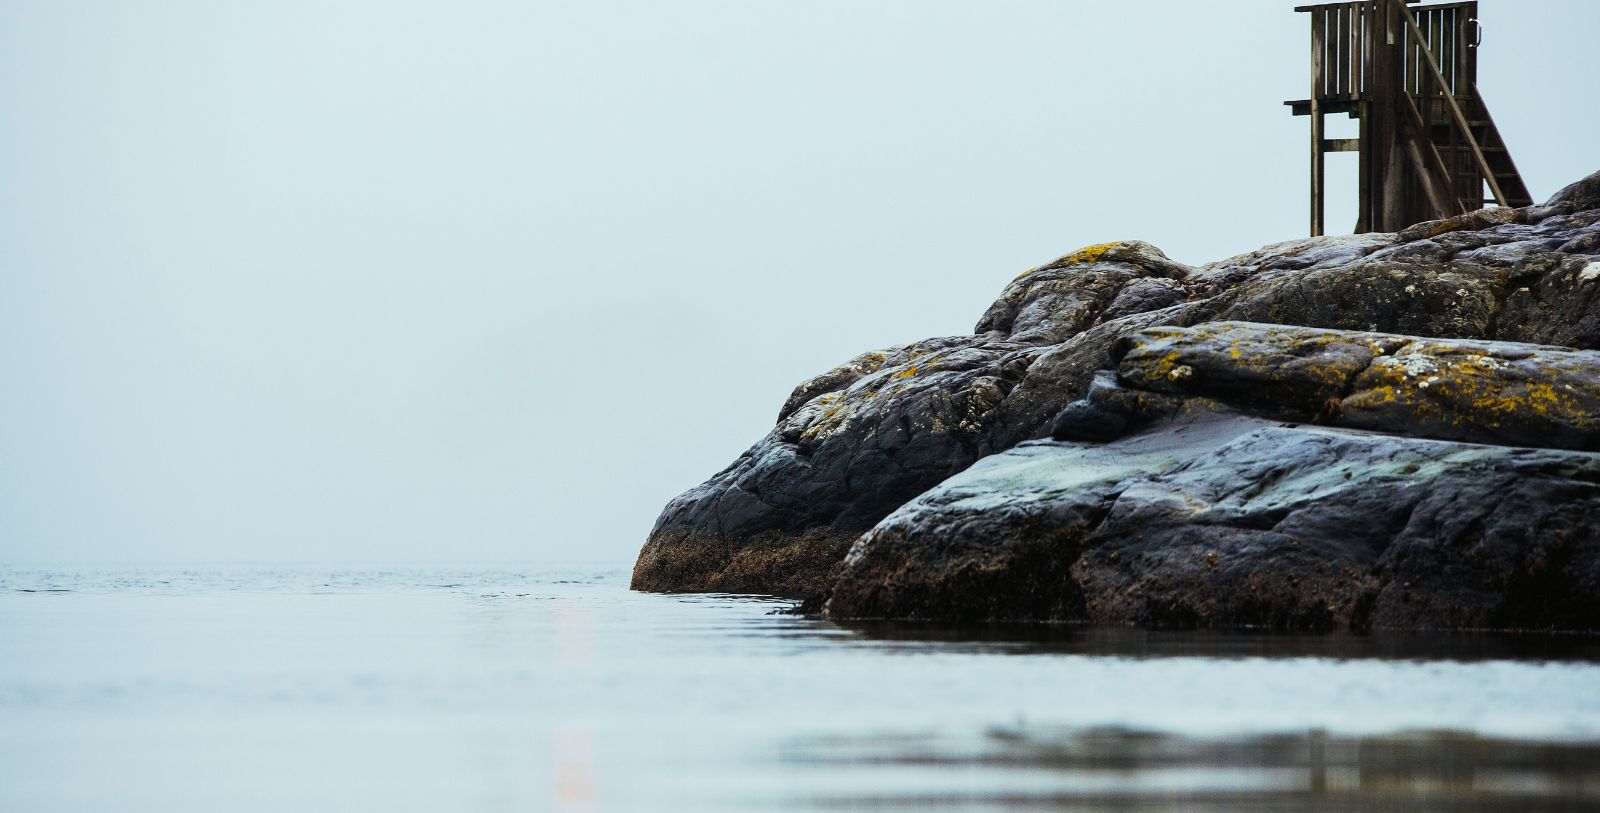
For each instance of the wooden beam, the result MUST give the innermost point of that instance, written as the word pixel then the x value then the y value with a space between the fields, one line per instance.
pixel 1431 170
pixel 1302 107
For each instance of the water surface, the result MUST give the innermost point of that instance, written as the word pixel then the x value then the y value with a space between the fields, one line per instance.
pixel 259 689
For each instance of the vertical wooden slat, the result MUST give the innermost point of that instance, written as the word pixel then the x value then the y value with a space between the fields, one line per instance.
pixel 1361 48
pixel 1330 54
pixel 1352 66
pixel 1441 33
pixel 1451 40
pixel 1369 26
pixel 1427 46
pixel 1458 49
pixel 1335 21
pixel 1469 72
pixel 1325 47
pixel 1441 46
pixel 1411 61
pixel 1472 181
pixel 1331 37
pixel 1335 54
pixel 1405 53
pixel 1424 83
pixel 1422 45
pixel 1353 46
pixel 1453 142
pixel 1470 176
pixel 1443 36
pixel 1363 24
pixel 1424 23
pixel 1316 55
pixel 1435 45
pixel 1373 31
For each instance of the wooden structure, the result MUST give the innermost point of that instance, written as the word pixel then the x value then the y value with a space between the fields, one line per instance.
pixel 1427 142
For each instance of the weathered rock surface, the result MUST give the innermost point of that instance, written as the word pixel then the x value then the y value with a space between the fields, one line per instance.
pixel 1205 515
pixel 1435 333
pixel 1223 520
pixel 1506 393
pixel 860 440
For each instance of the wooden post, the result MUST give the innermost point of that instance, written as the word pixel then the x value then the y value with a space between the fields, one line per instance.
pixel 1364 207
pixel 1361 83
pixel 1394 192
pixel 1316 122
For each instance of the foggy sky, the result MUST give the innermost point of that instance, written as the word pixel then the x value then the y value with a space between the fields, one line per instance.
pixel 468 282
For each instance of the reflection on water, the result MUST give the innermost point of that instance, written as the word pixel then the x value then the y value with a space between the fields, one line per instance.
pixel 574 770
pixel 1121 770
pixel 1130 642
pixel 506 690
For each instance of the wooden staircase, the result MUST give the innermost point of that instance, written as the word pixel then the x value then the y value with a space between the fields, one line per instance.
pixel 1482 129
pixel 1429 147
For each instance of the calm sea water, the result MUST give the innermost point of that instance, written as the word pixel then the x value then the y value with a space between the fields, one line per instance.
pixel 498 690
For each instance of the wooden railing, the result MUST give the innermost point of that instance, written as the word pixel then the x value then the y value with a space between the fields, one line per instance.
pixel 1448 33
pixel 1343 36
pixel 1431 96
pixel 1341 48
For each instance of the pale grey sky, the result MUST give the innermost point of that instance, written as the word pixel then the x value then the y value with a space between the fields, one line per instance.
pixel 472 281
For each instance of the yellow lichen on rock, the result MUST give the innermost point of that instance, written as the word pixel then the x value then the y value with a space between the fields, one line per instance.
pixel 1486 392
pixel 1483 391
pixel 1293 366
pixel 1088 254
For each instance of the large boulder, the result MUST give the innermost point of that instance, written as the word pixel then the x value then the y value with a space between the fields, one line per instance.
pixel 1213 511
pixel 1224 521
pixel 857 442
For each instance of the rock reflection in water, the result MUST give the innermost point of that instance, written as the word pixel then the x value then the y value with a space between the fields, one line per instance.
pixel 1125 770
pixel 1134 642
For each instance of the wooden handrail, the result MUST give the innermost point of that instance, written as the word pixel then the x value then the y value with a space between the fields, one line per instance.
pixel 1450 102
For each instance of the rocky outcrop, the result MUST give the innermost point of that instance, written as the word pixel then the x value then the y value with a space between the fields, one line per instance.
pixel 1431 363
pixel 1211 510
pixel 857 442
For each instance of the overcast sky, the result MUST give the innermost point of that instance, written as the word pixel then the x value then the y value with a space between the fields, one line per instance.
pixel 395 282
